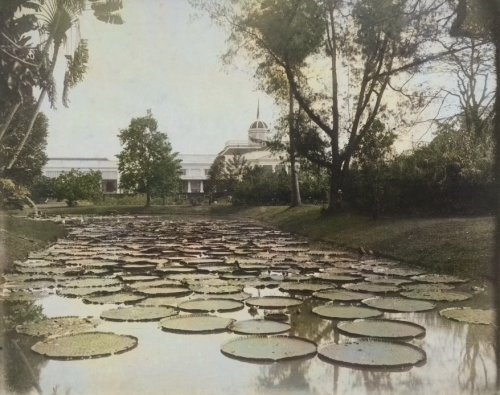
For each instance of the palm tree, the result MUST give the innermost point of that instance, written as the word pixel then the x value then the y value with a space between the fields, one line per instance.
pixel 57 18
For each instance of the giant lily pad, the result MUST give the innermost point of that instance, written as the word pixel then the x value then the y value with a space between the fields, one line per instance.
pixel 370 287
pixel 56 326
pixel 160 301
pixel 259 327
pixel 471 316
pixel 165 291
pixel 275 348
pixel 341 296
pixel 304 287
pixel 438 296
pixel 337 277
pixel 385 329
pixel 91 282
pixel 373 354
pixel 196 324
pixel 213 289
pixel 138 313
pixel 427 287
pixel 114 298
pixel 337 312
pixel 85 291
pixel 399 304
pixel 439 278
pixel 208 305
pixel 273 302
pixel 85 345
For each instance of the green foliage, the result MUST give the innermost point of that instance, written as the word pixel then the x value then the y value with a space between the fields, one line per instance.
pixel 224 176
pixel 146 162
pixel 262 186
pixel 43 188
pixel 11 194
pixel 76 69
pixel 76 185
pixel 32 158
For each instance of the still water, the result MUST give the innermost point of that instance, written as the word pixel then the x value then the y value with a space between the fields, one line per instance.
pixel 460 356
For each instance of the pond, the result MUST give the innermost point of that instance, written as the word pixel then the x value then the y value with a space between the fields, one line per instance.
pixel 293 317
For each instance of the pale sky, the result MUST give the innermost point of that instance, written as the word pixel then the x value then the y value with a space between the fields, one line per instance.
pixel 165 57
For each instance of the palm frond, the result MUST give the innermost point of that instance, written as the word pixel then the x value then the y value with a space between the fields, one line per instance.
pixel 76 69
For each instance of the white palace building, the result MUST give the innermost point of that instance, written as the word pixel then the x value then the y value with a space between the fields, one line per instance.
pixel 194 167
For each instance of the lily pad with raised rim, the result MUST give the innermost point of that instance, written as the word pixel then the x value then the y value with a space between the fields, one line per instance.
pixel 468 315
pixel 438 296
pixel 273 302
pixel 165 291
pixel 56 326
pixel 304 287
pixel 439 279
pixel 259 327
pixel 269 349
pixel 370 287
pixel 341 295
pixel 86 291
pixel 337 312
pixel 116 298
pixel 209 305
pixel 401 305
pixel 138 313
pixel 196 324
pixel 85 345
pixel 383 329
pixel 374 354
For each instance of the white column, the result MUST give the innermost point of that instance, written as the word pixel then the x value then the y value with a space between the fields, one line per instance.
pixel 201 187
pixel 189 186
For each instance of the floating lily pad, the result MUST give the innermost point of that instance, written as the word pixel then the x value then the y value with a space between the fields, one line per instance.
pixel 114 298
pixel 337 277
pixel 175 269
pixel 259 327
pixel 337 312
pixel 471 316
pixel 273 302
pixel 209 305
pixel 341 296
pixel 399 304
pixel 240 296
pixel 85 291
pixel 91 282
pixel 439 278
pixel 132 278
pixel 138 313
pixel 370 287
pixel 385 329
pixel 373 354
pixel 397 271
pixel 387 280
pixel 85 345
pixel 213 289
pixel 438 296
pixel 160 301
pixel 427 287
pixel 165 291
pixel 196 324
pixel 56 326
pixel 304 287
pixel 274 348
pixel 278 316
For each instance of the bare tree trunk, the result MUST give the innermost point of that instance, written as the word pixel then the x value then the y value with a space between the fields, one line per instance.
pixel 33 205
pixel 43 93
pixel 294 179
pixel 12 112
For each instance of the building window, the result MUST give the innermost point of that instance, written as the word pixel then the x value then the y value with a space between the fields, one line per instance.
pixel 195 186
pixel 206 171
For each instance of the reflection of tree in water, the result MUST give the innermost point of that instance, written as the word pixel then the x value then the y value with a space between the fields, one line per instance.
pixel 478 353
pixel 21 366
pixel 291 375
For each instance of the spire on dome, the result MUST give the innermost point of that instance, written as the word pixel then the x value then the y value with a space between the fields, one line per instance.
pixel 258 108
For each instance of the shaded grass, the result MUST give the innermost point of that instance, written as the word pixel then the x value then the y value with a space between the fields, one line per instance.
pixel 461 246
pixel 19 236
pixel 125 210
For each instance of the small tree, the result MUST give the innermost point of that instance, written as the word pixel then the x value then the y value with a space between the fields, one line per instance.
pixel 76 185
pixel 147 163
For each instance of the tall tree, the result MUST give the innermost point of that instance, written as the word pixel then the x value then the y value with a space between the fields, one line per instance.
pixel 369 41
pixel 146 162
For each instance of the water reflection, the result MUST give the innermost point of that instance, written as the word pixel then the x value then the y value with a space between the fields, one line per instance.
pixel 460 357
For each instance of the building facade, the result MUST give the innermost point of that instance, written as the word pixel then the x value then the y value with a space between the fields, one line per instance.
pixel 195 172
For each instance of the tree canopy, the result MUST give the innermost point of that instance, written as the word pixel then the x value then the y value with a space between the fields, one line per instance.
pixel 147 163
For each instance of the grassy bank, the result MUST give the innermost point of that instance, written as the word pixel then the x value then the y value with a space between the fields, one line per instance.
pixel 461 246
pixel 19 236
pixel 126 210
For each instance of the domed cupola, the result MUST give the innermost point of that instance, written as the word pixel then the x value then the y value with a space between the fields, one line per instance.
pixel 258 132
